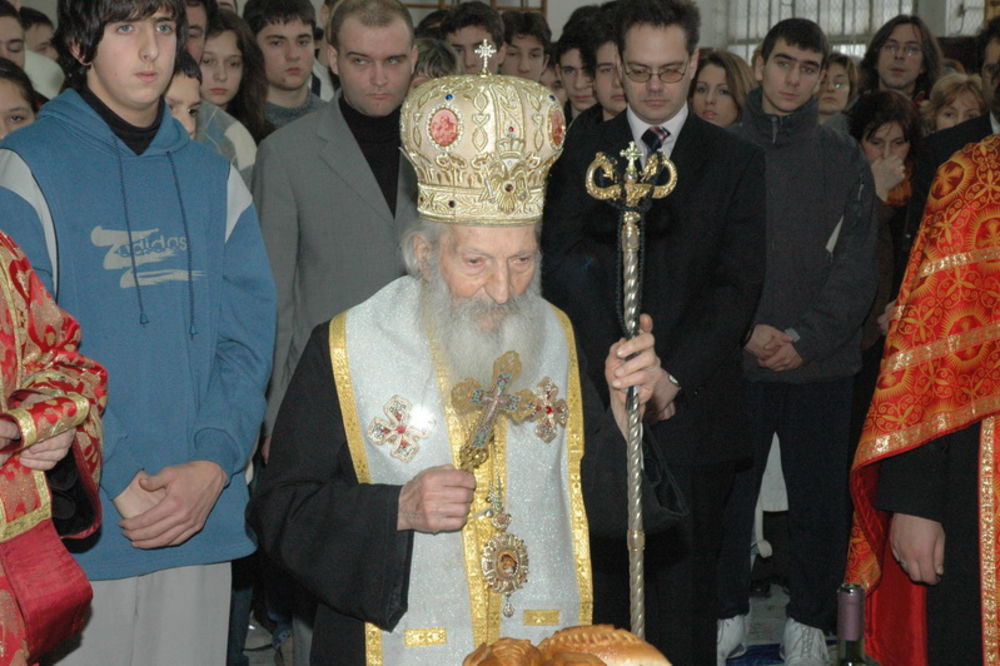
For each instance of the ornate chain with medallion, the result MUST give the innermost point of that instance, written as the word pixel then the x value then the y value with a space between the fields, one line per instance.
pixel 504 557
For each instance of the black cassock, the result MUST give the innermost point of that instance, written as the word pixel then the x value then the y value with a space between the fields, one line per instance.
pixel 339 538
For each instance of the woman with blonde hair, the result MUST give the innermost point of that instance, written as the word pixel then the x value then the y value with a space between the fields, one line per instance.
pixel 720 88
pixel 954 99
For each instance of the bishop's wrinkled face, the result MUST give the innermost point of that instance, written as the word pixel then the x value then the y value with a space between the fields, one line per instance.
pixel 488 264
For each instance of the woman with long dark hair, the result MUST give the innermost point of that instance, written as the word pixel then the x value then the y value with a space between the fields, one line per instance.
pixel 232 69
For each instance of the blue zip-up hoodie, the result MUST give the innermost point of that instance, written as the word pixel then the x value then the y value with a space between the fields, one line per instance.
pixel 160 258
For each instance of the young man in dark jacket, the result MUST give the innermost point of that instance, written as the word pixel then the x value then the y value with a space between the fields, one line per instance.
pixel 804 347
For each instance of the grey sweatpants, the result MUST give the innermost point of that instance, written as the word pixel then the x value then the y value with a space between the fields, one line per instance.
pixel 165 618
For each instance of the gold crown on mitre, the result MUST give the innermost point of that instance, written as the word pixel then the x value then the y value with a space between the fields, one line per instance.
pixel 482 146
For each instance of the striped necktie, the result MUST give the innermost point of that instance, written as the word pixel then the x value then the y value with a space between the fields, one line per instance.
pixel 654 138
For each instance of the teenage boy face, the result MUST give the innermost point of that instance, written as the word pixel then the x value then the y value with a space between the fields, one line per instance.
pixel 197 18
pixel 576 80
pixel 288 54
pixel 789 78
pixel 133 66
pixel 12 40
pixel 607 80
pixel 901 59
pixel 525 57
pixel 374 64
pixel 657 50
pixel 183 98
pixel 38 38
pixel 466 40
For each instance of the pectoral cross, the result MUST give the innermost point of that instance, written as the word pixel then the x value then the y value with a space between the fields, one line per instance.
pixel 469 396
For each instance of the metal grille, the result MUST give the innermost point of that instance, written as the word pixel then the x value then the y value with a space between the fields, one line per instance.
pixel 848 24
pixel 965 17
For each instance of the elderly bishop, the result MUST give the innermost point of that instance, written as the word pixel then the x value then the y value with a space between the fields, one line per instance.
pixel 440 457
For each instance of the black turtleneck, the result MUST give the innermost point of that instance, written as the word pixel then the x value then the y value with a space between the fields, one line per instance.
pixel 379 141
pixel 136 138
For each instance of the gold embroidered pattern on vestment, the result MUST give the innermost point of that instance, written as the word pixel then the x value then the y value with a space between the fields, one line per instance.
pixel 485 615
pixel 988 494
pixel 424 637
pixel 356 445
pixel 542 618
pixel 962 259
pixel 943 347
pixel 575 449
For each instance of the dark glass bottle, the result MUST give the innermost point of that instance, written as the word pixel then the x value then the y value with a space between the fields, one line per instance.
pixel 851 625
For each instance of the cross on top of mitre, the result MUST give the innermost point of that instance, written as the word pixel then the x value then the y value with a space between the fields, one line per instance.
pixel 485 51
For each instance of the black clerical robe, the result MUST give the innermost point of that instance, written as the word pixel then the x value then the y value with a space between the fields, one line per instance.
pixel 339 537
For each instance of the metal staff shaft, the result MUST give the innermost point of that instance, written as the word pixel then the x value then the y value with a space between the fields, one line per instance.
pixel 632 192
pixel 630 242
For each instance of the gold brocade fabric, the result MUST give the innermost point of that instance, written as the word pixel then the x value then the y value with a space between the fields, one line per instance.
pixel 940 373
pixel 46 388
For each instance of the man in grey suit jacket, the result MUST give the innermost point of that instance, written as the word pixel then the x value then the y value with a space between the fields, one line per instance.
pixel 331 190
pixel 334 196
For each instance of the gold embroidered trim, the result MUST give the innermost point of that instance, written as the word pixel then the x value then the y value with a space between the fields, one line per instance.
pixel 988 493
pixel 345 392
pixel 929 429
pixel 575 449
pixel 27 426
pixel 29 431
pixel 422 637
pixel 542 618
pixel 373 645
pixel 962 259
pixel 29 520
pixel 355 443
pixel 476 533
pixel 942 347
pixel 18 331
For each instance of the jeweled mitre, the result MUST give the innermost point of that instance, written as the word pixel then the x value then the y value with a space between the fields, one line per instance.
pixel 482 146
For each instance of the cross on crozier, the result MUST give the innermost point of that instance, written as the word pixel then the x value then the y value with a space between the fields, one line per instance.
pixel 633 155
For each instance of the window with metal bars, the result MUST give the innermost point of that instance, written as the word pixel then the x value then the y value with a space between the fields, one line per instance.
pixel 848 24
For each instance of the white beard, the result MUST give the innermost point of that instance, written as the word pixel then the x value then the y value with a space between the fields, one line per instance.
pixel 472 333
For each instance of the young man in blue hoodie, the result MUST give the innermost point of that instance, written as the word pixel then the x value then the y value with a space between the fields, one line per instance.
pixel 152 242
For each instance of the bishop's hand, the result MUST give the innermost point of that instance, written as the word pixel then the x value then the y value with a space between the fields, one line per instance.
pixel 436 500
pixel 643 371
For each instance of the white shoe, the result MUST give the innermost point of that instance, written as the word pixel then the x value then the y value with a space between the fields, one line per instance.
pixel 802 645
pixel 731 639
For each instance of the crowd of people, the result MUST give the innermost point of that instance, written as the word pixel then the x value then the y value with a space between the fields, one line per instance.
pixel 234 373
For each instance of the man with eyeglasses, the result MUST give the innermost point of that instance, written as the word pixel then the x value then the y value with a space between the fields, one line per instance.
pixel 902 56
pixel 805 345
pixel 703 268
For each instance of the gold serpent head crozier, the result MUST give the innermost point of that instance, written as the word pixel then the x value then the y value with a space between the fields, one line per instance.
pixel 635 185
